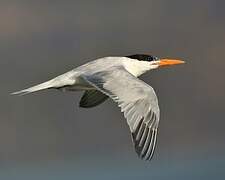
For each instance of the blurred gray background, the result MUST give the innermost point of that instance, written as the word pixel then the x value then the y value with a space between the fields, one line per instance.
pixel 47 136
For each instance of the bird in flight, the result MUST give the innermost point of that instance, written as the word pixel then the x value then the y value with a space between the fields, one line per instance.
pixel 116 78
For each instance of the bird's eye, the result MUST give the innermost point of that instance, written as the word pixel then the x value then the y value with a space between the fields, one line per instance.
pixel 150 58
pixel 155 58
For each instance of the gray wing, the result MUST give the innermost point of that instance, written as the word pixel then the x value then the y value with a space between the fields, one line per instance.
pixel 137 101
pixel 92 98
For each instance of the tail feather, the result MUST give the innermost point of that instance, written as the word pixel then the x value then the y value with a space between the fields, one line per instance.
pixel 59 81
pixel 39 87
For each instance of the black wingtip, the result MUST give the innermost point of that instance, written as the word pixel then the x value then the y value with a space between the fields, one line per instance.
pixel 144 139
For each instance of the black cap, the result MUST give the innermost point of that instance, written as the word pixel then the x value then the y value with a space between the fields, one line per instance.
pixel 143 57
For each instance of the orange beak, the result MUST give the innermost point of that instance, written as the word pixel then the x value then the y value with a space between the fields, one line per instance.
pixel 168 62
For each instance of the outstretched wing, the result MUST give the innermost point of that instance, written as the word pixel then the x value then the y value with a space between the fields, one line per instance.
pixel 137 101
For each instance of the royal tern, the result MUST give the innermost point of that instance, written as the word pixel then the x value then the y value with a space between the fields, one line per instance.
pixel 116 77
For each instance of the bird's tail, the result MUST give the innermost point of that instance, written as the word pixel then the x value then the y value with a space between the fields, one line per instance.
pixel 57 82
pixel 39 87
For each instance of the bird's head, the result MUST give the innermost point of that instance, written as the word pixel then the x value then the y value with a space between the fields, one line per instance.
pixel 141 63
pixel 154 61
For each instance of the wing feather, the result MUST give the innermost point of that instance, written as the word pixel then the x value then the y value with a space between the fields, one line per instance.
pixel 92 98
pixel 137 101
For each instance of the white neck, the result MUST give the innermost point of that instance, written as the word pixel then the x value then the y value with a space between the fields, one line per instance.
pixel 136 67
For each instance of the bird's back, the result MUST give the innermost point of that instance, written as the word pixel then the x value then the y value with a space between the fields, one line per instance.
pixel 99 65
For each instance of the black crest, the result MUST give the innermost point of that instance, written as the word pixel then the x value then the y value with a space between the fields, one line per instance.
pixel 143 57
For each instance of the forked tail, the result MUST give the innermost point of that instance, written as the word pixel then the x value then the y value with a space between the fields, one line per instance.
pixel 39 87
pixel 58 82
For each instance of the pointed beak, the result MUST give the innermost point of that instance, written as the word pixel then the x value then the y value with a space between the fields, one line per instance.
pixel 168 62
